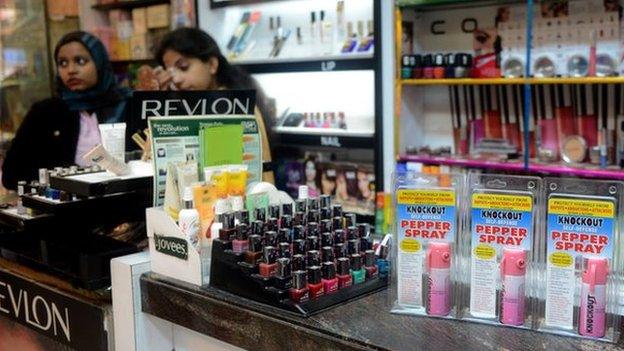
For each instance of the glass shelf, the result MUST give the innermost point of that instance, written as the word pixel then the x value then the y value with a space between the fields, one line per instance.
pixel 512 81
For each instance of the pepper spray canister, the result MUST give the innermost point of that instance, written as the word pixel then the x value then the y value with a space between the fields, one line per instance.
pixel 513 272
pixel 439 268
pixel 594 298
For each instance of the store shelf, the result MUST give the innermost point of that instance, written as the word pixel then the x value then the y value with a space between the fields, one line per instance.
pixel 126 5
pixel 517 166
pixel 512 81
pixel 215 4
pixel 317 64
pixel 131 61
pixel 331 138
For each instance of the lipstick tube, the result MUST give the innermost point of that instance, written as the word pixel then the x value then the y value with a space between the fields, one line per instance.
pixel 513 272
pixel 314 282
pixel 593 298
pixel 344 274
pixel 268 266
pixel 299 291
pixel 329 280
pixel 439 265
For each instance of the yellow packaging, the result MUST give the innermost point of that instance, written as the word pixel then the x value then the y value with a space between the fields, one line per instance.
pixel 158 16
pixel 237 180
pixel 220 180
pixel 205 197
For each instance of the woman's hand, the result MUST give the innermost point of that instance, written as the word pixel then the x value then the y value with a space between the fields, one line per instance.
pixel 164 78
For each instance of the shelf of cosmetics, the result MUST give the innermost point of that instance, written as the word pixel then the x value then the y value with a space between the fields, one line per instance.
pixel 576 124
pixel 297 258
pixel 321 38
pixel 313 120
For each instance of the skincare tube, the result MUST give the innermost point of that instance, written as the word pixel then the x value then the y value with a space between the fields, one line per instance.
pixel 114 139
pixel 238 180
pixel 220 179
pixel 99 156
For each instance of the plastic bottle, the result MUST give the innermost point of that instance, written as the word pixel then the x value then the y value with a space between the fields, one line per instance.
pixel 188 219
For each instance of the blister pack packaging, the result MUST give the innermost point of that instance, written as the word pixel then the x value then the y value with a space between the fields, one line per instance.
pixel 581 258
pixel 499 242
pixel 425 266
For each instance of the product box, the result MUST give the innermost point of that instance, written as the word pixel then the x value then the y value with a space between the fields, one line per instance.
pixel 139 20
pixel 426 264
pixel 499 242
pixel 139 46
pixel 158 16
pixel 579 287
pixel 174 255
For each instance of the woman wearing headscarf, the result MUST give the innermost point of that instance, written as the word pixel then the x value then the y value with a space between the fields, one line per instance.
pixel 58 131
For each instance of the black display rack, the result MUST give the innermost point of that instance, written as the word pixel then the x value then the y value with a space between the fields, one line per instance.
pixel 230 273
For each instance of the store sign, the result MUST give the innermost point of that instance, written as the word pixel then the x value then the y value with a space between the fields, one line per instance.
pixel 330 141
pixel 171 246
pixel 64 319
pixel 328 65
pixel 147 104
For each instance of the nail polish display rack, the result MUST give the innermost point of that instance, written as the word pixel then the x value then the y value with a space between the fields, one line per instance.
pixel 231 272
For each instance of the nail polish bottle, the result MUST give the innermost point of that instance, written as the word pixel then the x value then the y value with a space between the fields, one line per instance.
pixel 228 231
pixel 313 258
pixel 350 220
pixel 340 250
pixel 298 232
pixel 337 211
pixel 352 233
pixel 313 204
pixel 365 244
pixel 287 209
pixel 313 242
pixel 344 274
pixel 271 224
pixel 301 206
pixel 286 222
pixel 327 239
pixel 260 214
pixel 270 238
pixel 363 230
pixel 268 266
pixel 369 264
pixel 283 280
pixel 383 265
pixel 314 282
pixel 462 65
pixel 353 247
pixel 428 66
pixel 406 67
pixel 242 217
pixel 254 251
pixel 357 271
pixel 298 263
pixel 325 213
pixel 241 243
pixel 438 66
pixel 449 66
pixel 327 254
pixel 337 223
pixel 326 225
pixel 312 229
pixel 274 211
pixel 339 236
pixel 325 201
pixel 330 282
pixel 284 250
pixel 283 235
pixel 257 227
pixel 416 61
pixel 299 291
pixel 314 216
pixel 299 247
pixel 299 218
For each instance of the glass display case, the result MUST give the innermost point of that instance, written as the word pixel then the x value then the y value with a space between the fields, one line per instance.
pixel 24 66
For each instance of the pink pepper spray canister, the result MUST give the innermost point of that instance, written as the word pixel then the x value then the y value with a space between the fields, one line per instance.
pixel 593 298
pixel 439 265
pixel 513 272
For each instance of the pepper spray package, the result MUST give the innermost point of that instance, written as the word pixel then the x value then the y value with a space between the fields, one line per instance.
pixel 499 241
pixel 582 258
pixel 425 268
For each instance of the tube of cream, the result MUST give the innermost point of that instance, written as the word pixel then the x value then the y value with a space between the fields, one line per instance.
pixel 172 194
pixel 99 156
pixel 187 175
pixel 238 180
pixel 220 179
pixel 114 139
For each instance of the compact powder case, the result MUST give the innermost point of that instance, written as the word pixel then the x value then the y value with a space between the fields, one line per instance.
pixel 574 149
pixel 578 66
pixel 544 68
pixel 513 68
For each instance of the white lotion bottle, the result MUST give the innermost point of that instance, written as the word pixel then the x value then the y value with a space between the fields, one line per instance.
pixel 188 219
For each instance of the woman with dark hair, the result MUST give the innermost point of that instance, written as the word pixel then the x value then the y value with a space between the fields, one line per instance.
pixel 58 131
pixel 193 61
